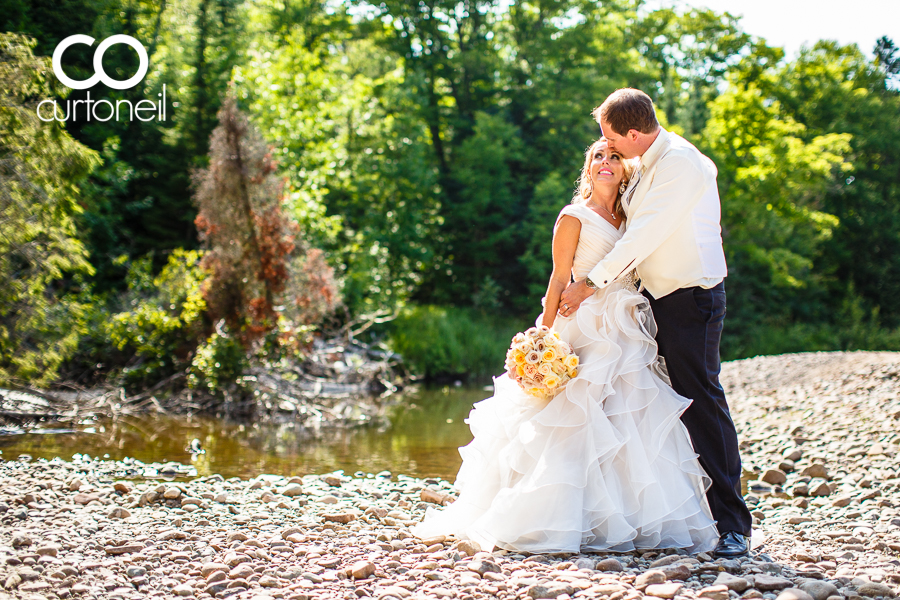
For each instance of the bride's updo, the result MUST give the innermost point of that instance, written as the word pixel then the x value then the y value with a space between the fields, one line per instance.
pixel 585 186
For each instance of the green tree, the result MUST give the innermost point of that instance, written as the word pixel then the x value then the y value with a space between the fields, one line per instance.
pixel 40 167
pixel 773 179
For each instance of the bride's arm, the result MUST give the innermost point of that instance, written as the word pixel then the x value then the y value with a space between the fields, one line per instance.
pixel 565 240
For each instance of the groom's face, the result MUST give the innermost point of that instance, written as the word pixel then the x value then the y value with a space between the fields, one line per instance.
pixel 626 145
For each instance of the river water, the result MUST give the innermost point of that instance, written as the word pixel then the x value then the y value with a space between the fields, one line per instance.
pixel 426 429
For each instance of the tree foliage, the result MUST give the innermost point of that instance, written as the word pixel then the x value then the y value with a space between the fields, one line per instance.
pixel 250 240
pixel 40 169
pixel 417 153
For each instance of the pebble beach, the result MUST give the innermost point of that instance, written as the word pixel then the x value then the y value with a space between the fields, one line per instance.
pixel 819 441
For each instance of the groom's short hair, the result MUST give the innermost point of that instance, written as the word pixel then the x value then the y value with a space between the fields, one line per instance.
pixel 628 109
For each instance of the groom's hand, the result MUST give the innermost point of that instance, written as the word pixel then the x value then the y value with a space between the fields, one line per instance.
pixel 572 297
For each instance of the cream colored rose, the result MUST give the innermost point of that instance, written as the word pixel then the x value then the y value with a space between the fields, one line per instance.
pixel 530 369
pixel 558 367
pixel 533 358
pixel 518 338
pixel 545 369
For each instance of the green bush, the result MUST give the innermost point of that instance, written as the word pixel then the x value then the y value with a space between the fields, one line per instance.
pixel 854 329
pixel 440 341
pixel 218 364
pixel 162 321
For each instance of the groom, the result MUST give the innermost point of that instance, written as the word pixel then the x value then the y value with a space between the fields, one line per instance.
pixel 673 238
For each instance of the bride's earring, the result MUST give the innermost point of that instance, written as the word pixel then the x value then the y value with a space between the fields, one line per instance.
pixel 622 187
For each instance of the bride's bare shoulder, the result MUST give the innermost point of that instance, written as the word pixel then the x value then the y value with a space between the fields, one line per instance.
pixel 571 213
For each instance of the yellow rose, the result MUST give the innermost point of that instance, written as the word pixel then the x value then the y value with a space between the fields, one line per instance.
pixel 535 391
pixel 573 373
pixel 519 357
pixel 549 355
pixel 551 382
pixel 520 371
pixel 558 367
pixel 572 361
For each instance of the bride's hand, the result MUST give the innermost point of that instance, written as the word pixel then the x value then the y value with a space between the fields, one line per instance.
pixel 572 297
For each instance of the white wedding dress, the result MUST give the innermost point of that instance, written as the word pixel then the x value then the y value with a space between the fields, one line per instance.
pixel 606 464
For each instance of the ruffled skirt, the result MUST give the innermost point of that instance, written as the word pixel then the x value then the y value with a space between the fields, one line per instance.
pixel 605 465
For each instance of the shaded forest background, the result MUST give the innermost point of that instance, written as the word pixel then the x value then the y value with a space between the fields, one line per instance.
pixel 396 167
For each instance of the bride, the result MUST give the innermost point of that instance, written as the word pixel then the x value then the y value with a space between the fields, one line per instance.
pixel 606 464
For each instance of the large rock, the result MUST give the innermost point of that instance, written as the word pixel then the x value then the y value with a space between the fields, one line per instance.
pixel 649 578
pixel 770 583
pixel 241 571
pixel 819 487
pixel 665 560
pixel 362 569
pixel 815 470
pixel 872 590
pixel 733 583
pixel 431 496
pixel 774 476
pixel 663 590
pixel 677 572
pixel 714 592
pixel 293 490
pixel 212 567
pixel 609 565
pixel 483 566
pixel 469 548
pixel 793 594
pixel 819 590
pixel 342 518
pixel 539 592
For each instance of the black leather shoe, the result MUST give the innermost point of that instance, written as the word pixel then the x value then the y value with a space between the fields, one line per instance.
pixel 731 544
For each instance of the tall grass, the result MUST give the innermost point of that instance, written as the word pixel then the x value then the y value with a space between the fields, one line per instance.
pixel 439 341
pixel 854 328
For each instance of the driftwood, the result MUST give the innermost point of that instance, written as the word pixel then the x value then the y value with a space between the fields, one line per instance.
pixel 340 382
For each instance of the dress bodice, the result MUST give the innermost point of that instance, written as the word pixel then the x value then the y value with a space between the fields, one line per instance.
pixel 597 238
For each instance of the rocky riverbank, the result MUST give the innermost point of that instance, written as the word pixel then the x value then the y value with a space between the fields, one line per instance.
pixel 818 436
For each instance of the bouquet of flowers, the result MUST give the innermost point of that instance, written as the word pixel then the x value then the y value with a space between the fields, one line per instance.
pixel 540 362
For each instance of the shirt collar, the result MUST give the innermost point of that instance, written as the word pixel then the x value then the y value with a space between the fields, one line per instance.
pixel 652 154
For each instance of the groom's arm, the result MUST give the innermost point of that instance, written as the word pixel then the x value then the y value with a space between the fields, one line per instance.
pixel 679 183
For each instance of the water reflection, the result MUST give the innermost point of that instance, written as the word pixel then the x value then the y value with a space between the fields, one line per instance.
pixel 426 430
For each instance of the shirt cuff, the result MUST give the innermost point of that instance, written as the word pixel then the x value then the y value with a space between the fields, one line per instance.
pixel 600 276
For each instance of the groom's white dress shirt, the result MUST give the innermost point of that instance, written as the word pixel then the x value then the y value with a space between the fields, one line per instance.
pixel 672 236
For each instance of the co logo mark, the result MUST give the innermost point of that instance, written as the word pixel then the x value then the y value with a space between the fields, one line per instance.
pixel 99 73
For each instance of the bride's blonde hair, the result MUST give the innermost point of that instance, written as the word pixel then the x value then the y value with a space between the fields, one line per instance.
pixel 585 185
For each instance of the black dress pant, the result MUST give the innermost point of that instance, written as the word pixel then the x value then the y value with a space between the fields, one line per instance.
pixel 690 329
